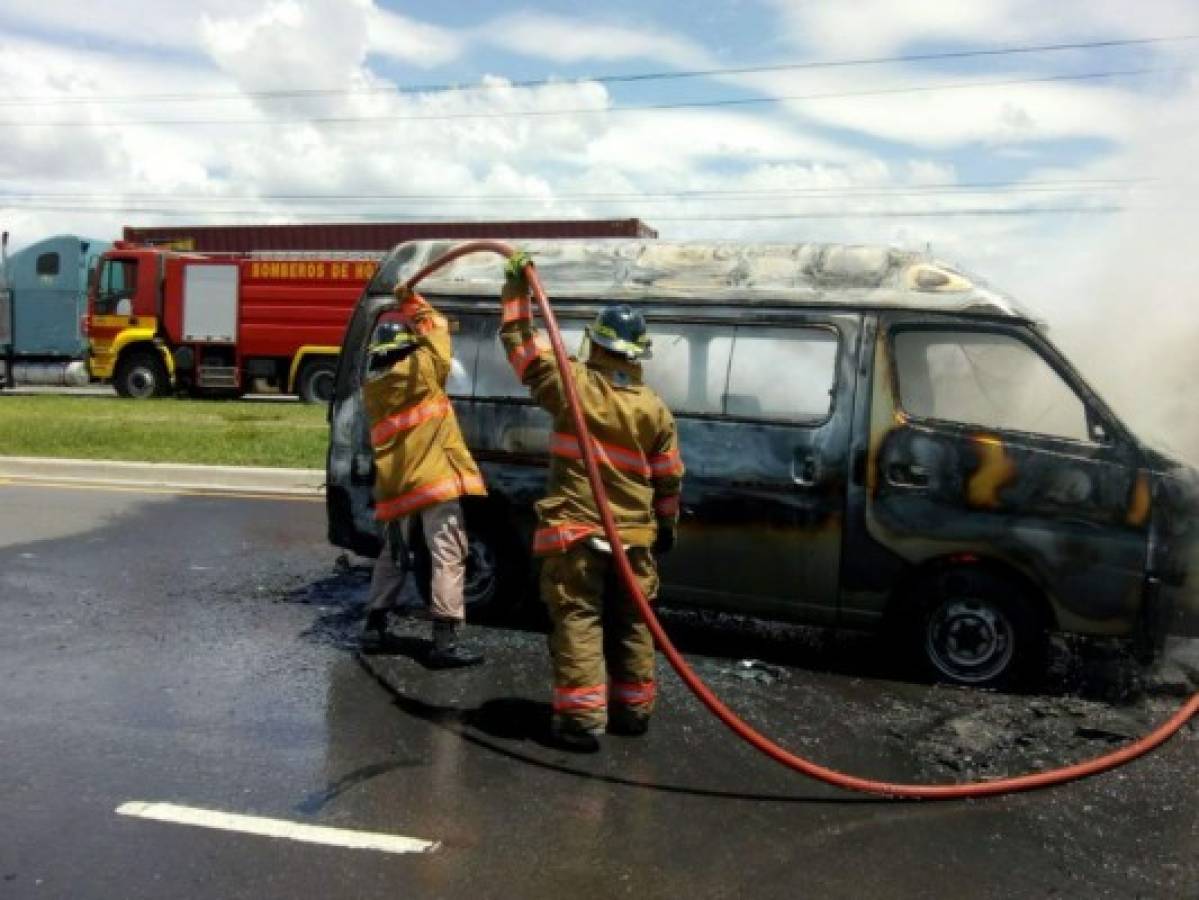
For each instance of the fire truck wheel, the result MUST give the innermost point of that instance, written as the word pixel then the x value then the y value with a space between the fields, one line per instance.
pixel 316 381
pixel 141 375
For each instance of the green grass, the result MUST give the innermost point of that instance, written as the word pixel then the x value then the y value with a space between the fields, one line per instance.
pixel 215 432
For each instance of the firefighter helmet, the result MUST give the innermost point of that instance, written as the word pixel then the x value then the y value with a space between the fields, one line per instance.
pixel 621 330
pixel 390 340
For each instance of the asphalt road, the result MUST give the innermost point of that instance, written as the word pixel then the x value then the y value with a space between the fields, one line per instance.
pixel 196 651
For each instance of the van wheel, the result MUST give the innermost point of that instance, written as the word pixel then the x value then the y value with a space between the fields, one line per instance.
pixel 315 384
pixel 493 570
pixel 141 375
pixel 979 629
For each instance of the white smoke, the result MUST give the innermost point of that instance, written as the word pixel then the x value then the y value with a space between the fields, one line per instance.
pixel 1124 299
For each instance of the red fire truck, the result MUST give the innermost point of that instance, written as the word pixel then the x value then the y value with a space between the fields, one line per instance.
pixel 215 324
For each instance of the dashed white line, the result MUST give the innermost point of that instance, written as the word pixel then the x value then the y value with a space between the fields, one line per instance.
pixel 275 828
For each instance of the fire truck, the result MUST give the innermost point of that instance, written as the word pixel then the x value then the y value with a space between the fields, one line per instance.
pixel 161 321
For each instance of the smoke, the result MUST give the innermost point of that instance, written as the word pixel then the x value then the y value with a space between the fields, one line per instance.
pixel 1121 294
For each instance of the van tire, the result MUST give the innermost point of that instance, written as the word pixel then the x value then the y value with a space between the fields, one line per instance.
pixel 978 628
pixel 316 381
pixel 141 375
pixel 496 569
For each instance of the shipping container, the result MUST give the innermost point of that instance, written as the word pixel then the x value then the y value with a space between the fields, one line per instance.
pixel 377 236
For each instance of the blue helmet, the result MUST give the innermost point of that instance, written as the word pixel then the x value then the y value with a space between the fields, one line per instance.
pixel 391 339
pixel 620 329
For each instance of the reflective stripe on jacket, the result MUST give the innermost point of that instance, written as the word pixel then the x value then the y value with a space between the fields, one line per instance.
pixel 420 456
pixel 634 436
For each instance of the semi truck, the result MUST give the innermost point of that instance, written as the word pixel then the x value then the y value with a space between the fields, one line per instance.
pixel 43 302
pixel 161 320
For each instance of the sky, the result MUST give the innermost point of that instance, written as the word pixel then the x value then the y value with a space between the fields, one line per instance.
pixel 1076 194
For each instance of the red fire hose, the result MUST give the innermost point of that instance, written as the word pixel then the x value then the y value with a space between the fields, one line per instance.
pixel 741 728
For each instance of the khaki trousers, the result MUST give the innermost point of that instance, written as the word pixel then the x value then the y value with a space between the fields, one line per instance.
pixel 601 650
pixel 445 536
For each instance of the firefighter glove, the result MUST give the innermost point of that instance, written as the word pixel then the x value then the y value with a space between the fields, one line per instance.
pixel 514 273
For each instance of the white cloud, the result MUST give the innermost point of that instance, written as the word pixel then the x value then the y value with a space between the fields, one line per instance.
pixel 884 27
pixel 570 40
pixel 413 42
pixel 285 44
pixel 170 25
pixel 1009 114
pixel 666 140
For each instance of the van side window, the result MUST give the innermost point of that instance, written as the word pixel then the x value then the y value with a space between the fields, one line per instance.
pixel 688 365
pixel 494 376
pixel 987 379
pixel 782 373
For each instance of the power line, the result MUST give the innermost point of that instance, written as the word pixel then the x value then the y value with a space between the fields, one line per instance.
pixel 650 107
pixel 1068 185
pixel 601 79
pixel 755 217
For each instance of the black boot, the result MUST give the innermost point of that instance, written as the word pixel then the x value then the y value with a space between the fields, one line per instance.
pixel 627 722
pixel 568 734
pixel 446 652
pixel 374 632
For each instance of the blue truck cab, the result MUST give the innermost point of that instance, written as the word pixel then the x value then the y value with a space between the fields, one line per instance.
pixel 43 304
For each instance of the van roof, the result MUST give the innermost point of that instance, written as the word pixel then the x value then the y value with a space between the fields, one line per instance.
pixel 703 272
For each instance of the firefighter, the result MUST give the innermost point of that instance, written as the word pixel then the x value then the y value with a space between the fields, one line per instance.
pixel 422 467
pixel 602 653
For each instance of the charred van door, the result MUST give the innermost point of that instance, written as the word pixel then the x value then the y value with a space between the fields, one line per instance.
pixel 985 445
pixel 764 494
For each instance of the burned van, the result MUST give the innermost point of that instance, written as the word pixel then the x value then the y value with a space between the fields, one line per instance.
pixel 872 440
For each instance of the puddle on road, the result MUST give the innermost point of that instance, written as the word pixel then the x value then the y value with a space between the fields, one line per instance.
pixel 1094 698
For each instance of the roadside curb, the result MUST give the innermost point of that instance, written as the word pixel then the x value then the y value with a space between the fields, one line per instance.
pixel 171 476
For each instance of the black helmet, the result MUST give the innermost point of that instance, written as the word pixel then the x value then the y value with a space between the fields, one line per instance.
pixel 621 330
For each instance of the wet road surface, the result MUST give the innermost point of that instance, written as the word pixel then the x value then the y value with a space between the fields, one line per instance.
pixel 196 650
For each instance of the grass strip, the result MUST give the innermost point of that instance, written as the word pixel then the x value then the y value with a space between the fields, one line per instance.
pixel 212 432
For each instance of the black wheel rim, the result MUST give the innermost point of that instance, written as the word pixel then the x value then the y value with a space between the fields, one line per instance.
pixel 141 382
pixel 970 640
pixel 482 572
pixel 321 386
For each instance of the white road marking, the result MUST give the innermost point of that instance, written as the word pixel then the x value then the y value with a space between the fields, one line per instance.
pixel 276 828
